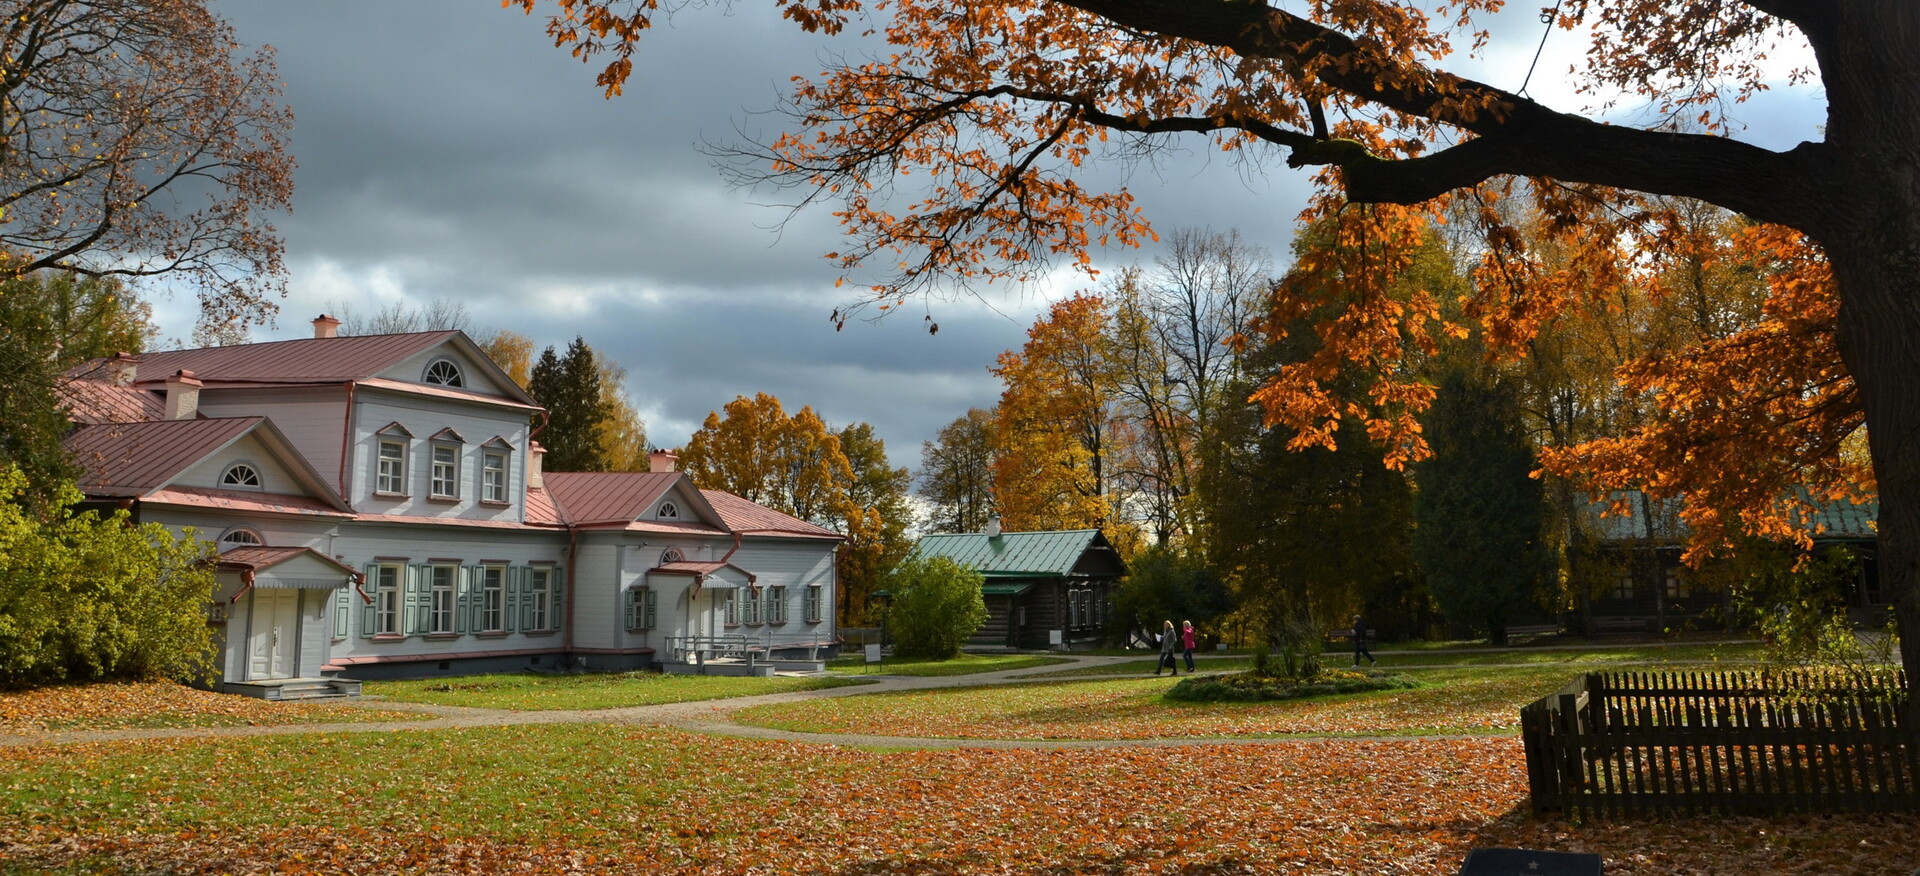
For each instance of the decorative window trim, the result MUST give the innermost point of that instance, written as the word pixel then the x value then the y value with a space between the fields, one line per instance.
pixel 240 536
pixel 643 609
pixel 775 607
pixel 667 511
pixel 389 600
pixel 242 476
pixel 750 608
pixel 539 599
pixel 444 371
pixel 390 471
pixel 731 606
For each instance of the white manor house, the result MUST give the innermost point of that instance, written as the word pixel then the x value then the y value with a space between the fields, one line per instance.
pixel 380 511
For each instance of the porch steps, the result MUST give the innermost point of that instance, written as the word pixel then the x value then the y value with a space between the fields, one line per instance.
pixel 726 666
pixel 292 689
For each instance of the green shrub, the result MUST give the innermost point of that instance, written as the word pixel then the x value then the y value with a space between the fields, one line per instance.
pixel 1254 687
pixel 85 597
pixel 936 607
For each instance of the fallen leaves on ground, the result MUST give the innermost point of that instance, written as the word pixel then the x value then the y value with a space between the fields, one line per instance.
pixel 154 704
pixel 617 799
pixel 1471 701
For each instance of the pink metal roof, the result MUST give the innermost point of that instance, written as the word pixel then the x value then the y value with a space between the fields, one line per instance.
pixel 540 510
pixel 674 527
pixel 587 498
pixel 307 360
pixel 243 501
pixel 130 459
pixel 749 518
pixel 95 401
pixel 258 557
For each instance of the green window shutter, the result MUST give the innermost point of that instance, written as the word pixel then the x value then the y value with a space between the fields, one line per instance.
pixel 463 585
pixel 557 585
pixel 341 604
pixel 510 606
pixel 628 599
pixel 369 611
pixel 526 602
pixel 651 609
pixel 418 585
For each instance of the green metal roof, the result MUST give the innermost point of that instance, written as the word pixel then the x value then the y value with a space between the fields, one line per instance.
pixel 991 589
pixel 1014 554
pixel 1825 519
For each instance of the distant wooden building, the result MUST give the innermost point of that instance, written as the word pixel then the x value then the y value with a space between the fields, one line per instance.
pixel 1037 583
pixel 1644 587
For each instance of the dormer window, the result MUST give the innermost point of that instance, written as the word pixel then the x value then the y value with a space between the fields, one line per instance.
pixel 443 372
pixel 668 511
pixel 240 536
pixel 241 476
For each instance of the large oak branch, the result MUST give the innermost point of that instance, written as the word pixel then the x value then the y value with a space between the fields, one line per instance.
pixel 1513 134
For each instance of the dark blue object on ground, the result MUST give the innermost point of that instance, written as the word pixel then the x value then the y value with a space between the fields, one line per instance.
pixel 1528 862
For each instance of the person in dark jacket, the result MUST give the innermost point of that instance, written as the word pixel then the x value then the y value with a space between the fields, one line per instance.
pixel 1360 642
pixel 1169 640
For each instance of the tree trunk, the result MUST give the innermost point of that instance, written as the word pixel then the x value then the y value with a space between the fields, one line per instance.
pixel 1872 238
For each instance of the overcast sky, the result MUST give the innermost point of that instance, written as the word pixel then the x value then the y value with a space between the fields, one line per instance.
pixel 447 151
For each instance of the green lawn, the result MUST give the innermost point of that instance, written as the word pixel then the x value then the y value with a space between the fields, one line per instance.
pixel 1584 655
pixel 526 692
pixel 965 664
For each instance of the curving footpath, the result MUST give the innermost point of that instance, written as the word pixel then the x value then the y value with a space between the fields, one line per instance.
pixel 709 717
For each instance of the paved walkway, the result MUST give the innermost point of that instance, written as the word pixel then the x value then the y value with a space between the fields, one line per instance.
pixel 712 717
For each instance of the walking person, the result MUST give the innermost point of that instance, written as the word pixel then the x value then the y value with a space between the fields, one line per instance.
pixel 1360 642
pixel 1169 639
pixel 1187 637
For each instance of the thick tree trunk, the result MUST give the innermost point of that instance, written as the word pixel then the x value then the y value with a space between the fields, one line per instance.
pixel 1872 236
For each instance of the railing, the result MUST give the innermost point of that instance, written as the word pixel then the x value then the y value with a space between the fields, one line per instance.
pixel 1729 741
pixel 699 649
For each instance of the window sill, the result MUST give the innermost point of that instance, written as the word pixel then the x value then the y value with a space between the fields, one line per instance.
pixel 492 634
pixel 382 494
pixel 389 637
pixel 444 500
pixel 496 503
pixel 433 637
pixel 538 633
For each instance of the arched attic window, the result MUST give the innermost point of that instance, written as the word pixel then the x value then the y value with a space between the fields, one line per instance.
pixel 668 511
pixel 444 372
pixel 671 555
pixel 241 475
pixel 240 536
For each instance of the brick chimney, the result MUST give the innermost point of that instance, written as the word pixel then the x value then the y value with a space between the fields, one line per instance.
pixel 534 454
pixel 325 326
pixel 663 462
pixel 183 395
pixel 123 368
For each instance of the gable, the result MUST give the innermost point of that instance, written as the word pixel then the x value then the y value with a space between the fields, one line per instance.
pixel 1027 554
pixel 441 361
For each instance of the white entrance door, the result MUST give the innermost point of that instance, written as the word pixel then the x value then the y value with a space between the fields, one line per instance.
pixel 272 641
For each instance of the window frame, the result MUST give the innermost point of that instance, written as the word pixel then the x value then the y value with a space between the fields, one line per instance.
pixel 441 596
pixel 493 599
pixel 667 511
pixel 775 609
pixel 814 598
pixel 447 485
pixel 390 472
pixel 493 479
pixel 233 470
pixel 389 592
pixel 227 539
pixel 643 609
pixel 445 365
pixel 731 608
pixel 538 593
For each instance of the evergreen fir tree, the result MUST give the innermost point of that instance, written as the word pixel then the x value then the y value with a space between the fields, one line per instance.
pixel 569 388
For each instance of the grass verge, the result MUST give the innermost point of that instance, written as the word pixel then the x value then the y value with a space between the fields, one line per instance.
pixel 965 664
pixel 164 705
pixel 533 692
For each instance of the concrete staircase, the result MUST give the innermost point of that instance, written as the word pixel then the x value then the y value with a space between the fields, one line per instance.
pixel 291 689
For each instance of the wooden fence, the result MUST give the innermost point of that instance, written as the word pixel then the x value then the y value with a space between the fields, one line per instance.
pixel 1725 741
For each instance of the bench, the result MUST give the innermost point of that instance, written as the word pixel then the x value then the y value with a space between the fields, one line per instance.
pixel 1618 625
pixel 1516 630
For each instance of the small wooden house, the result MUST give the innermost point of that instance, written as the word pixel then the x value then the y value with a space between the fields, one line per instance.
pixel 1037 583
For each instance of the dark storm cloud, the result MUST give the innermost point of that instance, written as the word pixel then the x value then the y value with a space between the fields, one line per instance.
pixel 447 151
